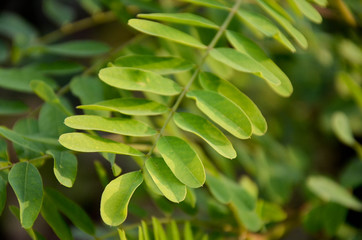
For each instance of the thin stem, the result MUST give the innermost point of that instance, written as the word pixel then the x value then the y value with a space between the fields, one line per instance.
pixel 44 157
pixel 195 74
pixel 70 28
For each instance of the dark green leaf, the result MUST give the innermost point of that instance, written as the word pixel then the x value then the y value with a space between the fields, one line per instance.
pixel 27 184
pixel 217 187
pixel 20 139
pixel 12 107
pixel 71 210
pixel 3 194
pixel 58 12
pixel 79 48
pixel 116 196
pixel 57 68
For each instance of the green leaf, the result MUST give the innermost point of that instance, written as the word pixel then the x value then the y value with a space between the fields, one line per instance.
pixel 27 184
pixel 188 235
pixel 308 10
pixel 139 80
pixel 165 180
pixel 12 107
pixel 4 51
pixel 322 3
pixel 222 111
pixel 82 142
pixel 101 173
pixel 122 234
pixel 18 79
pixel 160 65
pixel 58 12
pixel 334 216
pixel 351 176
pixel 123 126
pixel 55 220
pixel 65 167
pixel 44 91
pixel 298 36
pixel 158 231
pixel 270 212
pixel 244 63
pixel 20 139
pixel 262 24
pixel 248 47
pixel 172 231
pixel 129 106
pixel 217 188
pixel 354 88
pixel 116 196
pixel 71 210
pixel 182 160
pixel 79 48
pixel 207 131
pixel 331 191
pixel 57 68
pixel 213 83
pixel 209 3
pixel 3 194
pixel 342 129
pixel 163 31
pixel 188 19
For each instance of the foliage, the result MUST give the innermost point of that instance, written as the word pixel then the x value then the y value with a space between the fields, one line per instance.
pixel 171 107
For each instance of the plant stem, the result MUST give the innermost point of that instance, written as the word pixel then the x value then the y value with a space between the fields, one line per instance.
pixel 195 74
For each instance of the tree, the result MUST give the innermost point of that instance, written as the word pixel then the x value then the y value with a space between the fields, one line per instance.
pixel 167 109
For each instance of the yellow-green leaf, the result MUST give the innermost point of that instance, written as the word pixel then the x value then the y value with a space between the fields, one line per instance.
pixel 163 31
pixel 207 131
pixel 248 47
pixel 213 83
pixel 209 3
pixel 308 10
pixel 188 19
pixel 165 180
pixel 182 160
pixel 139 80
pixel 342 129
pixel 128 106
pixel 116 196
pixel 123 126
pixel 82 142
pixel 222 111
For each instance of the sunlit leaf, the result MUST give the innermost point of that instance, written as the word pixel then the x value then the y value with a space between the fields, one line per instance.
pixel 244 63
pixel 222 111
pixel 160 65
pixel 27 184
pixel 71 210
pixel 188 19
pixel 262 24
pixel 163 31
pixel 213 83
pixel 123 126
pixel 65 167
pixel 78 48
pixel 116 196
pixel 308 10
pixel 209 3
pixel 331 191
pixel 159 232
pixel 165 180
pixel 182 160
pixel 82 142
pixel 129 106
pixel 206 130
pixel 139 80
pixel 284 22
